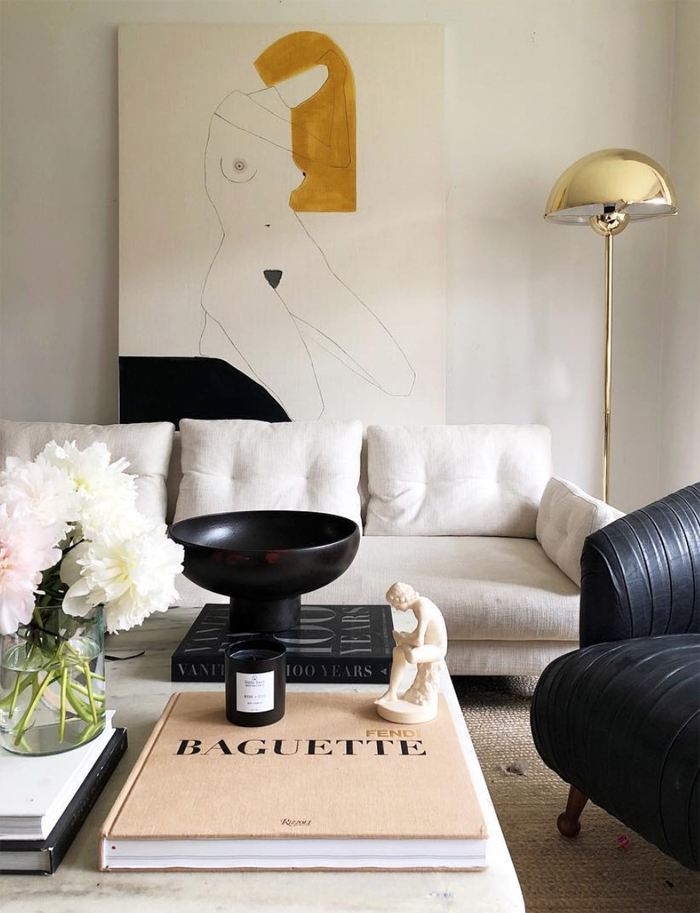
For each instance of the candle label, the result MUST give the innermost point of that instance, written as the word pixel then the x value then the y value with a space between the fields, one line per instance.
pixel 255 692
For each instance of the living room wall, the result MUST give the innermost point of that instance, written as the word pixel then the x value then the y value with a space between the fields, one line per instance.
pixel 530 87
pixel 680 438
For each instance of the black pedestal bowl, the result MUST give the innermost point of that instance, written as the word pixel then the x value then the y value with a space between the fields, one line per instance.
pixel 265 560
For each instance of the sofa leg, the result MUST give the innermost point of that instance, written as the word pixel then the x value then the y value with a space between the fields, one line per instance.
pixel 568 822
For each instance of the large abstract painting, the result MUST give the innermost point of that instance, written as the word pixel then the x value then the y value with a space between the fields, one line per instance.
pixel 281 223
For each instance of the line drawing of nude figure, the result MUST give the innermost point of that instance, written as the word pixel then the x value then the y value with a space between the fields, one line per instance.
pixel 270 295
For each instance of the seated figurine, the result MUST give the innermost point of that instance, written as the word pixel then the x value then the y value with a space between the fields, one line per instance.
pixel 425 647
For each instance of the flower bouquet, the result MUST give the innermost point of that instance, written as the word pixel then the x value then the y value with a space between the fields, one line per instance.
pixel 76 557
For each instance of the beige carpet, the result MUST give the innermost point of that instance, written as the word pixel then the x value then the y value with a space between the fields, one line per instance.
pixel 591 874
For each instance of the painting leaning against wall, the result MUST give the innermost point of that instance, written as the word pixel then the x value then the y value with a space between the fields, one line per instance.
pixel 280 171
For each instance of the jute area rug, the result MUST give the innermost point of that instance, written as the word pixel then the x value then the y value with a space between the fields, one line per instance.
pixel 607 868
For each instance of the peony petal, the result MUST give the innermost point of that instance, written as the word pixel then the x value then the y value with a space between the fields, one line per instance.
pixel 70 569
pixel 75 602
pixel 15 610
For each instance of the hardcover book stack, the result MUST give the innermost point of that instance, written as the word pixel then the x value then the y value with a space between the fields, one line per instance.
pixel 333 644
pixel 45 800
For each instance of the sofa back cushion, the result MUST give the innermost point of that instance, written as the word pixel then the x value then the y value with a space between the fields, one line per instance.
pixel 248 465
pixel 567 515
pixel 146 446
pixel 456 480
pixel 175 477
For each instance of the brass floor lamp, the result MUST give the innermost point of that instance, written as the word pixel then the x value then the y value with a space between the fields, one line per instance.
pixel 607 190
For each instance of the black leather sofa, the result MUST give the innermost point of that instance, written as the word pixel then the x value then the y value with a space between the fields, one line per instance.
pixel 619 719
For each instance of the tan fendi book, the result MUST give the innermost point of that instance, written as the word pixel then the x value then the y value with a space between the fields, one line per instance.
pixel 331 786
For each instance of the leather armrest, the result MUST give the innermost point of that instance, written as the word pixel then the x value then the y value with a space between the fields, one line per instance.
pixel 641 574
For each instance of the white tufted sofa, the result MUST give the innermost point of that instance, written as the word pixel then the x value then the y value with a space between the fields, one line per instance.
pixel 469 515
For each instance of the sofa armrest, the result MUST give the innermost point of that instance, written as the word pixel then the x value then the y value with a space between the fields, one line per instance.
pixel 566 516
pixel 641 574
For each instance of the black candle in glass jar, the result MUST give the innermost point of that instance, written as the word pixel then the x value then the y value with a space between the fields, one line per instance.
pixel 255 681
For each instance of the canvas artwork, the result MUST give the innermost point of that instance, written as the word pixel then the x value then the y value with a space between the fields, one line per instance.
pixel 281 223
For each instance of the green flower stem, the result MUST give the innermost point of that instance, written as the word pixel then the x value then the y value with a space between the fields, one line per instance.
pixel 99 698
pixel 21 728
pixel 76 655
pixel 62 719
pixel 75 695
pixel 79 706
pixel 12 698
pixel 16 691
pixel 91 697
pixel 91 712
pixel 29 680
pixel 89 732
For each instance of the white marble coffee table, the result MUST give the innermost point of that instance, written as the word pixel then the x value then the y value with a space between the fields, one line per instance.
pixel 138 689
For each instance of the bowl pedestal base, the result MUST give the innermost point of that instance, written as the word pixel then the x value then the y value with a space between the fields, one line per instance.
pixel 264 617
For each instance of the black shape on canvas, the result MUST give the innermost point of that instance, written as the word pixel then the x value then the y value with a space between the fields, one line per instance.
pixel 273 276
pixel 166 389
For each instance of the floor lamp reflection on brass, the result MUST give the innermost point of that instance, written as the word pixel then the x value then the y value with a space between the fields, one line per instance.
pixel 607 190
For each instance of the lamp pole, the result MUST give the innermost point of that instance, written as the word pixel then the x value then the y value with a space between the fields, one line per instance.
pixel 608 362
pixel 608 225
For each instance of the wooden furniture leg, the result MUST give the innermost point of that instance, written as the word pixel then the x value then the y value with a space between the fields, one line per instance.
pixel 568 822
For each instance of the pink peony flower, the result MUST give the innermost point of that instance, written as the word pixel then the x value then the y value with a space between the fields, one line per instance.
pixel 26 550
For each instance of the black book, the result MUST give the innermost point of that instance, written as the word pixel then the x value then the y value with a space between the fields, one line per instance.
pixel 43 857
pixel 350 644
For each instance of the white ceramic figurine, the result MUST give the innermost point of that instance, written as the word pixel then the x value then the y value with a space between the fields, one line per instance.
pixel 426 647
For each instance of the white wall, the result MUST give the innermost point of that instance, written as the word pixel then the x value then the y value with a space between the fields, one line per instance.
pixel 680 439
pixel 534 87
pixel 530 86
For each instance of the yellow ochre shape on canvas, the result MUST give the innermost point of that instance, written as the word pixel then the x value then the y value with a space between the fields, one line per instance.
pixel 323 126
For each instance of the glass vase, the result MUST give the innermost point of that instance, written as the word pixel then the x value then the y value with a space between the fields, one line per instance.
pixel 52 686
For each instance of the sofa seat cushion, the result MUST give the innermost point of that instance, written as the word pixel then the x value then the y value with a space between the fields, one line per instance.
pixel 456 480
pixel 245 465
pixel 146 446
pixel 488 588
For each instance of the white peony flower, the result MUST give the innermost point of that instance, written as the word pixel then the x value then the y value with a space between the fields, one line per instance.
pixel 45 489
pixel 132 577
pixel 27 548
pixel 79 501
pixel 106 493
pixel 123 520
